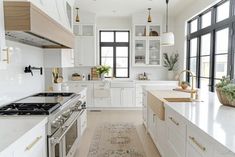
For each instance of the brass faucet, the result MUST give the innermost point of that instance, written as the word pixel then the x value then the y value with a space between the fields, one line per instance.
pixel 193 91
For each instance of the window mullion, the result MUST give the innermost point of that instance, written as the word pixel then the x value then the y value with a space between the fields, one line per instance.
pixel 213 62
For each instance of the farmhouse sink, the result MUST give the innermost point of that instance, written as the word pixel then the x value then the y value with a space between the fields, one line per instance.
pixel 178 99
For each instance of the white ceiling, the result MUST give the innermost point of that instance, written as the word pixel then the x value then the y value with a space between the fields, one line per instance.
pixel 128 7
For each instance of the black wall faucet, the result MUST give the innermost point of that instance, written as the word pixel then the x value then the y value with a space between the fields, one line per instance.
pixel 30 69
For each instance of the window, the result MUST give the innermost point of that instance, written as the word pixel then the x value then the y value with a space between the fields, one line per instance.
pixel 210 45
pixel 114 52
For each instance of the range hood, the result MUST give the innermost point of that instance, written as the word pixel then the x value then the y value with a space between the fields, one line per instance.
pixel 26 23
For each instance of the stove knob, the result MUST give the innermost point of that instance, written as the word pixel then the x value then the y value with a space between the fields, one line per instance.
pixel 56 124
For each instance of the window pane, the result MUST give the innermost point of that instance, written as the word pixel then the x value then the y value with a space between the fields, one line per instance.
pixel 206 20
pixel 107 51
pixel 193 26
pixel 193 65
pixel 193 47
pixel 223 11
pixel 205 67
pixel 122 62
pixel 121 73
pixel 122 51
pixel 107 36
pixel 107 61
pixel 205 44
pixel 204 84
pixel 221 66
pixel 222 41
pixel 122 36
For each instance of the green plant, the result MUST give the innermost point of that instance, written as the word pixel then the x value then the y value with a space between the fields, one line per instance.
pixel 229 91
pixel 169 62
pixel 103 69
pixel 223 82
pixel 55 74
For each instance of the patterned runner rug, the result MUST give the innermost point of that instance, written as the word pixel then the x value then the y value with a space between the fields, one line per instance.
pixel 116 140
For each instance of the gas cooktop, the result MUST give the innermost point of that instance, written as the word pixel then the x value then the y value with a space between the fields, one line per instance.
pixel 38 104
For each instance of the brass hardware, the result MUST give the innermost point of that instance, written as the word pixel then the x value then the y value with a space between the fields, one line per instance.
pixel 193 92
pixel 7 59
pixel 77 16
pixel 149 17
pixel 174 121
pixel 197 143
pixel 33 143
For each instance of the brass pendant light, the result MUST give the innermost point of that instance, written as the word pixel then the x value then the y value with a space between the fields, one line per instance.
pixel 149 17
pixel 77 17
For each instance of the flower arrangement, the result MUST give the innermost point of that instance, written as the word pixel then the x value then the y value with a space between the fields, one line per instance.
pixel 103 69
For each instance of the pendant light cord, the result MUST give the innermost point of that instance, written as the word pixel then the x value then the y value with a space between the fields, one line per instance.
pixel 167 1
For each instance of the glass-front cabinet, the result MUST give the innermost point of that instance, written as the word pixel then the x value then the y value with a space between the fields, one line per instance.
pixel 146 47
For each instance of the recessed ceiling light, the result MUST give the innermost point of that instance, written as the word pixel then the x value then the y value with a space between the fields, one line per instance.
pixel 114 11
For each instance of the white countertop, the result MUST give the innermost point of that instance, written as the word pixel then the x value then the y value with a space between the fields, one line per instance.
pixel 210 116
pixel 14 127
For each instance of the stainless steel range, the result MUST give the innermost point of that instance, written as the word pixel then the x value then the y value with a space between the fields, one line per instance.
pixel 63 111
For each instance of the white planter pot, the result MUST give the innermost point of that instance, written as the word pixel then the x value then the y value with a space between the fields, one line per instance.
pixel 171 75
pixel 57 86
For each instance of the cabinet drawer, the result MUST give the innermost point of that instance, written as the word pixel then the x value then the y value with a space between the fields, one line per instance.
pixel 176 122
pixel 199 141
pixel 32 144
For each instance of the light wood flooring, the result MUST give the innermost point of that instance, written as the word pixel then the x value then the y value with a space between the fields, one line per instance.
pixel 135 117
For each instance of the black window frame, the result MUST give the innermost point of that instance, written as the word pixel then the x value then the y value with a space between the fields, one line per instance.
pixel 212 29
pixel 115 44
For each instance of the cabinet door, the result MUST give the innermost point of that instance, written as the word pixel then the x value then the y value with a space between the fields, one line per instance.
pixel 116 97
pixel 140 52
pixel 154 52
pixel 128 97
pixel 2 31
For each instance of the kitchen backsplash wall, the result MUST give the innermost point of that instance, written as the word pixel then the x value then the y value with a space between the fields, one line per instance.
pixel 14 83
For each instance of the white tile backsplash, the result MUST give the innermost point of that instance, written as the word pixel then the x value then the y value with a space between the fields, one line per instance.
pixel 14 83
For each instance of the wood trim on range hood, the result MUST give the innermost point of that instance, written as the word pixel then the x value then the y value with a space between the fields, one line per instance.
pixel 26 23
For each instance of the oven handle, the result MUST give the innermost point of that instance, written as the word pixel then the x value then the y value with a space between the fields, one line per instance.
pixel 56 140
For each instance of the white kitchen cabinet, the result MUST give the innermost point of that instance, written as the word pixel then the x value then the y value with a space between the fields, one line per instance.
pixel 2 36
pixel 84 52
pixel 83 122
pixel 32 143
pixel 58 58
pixel 122 97
pixel 146 47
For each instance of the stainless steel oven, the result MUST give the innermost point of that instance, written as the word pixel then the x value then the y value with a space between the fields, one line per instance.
pixel 64 142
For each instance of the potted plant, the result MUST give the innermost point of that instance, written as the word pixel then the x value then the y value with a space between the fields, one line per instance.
pixel 102 70
pixel 170 63
pixel 226 91
pixel 184 85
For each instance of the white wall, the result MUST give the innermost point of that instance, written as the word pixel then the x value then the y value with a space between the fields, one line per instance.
pixel 180 26
pixel 14 83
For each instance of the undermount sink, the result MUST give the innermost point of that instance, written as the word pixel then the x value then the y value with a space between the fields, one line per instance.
pixel 178 99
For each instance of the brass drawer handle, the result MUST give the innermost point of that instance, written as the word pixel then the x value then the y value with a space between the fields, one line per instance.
pixel 174 121
pixel 30 146
pixel 197 143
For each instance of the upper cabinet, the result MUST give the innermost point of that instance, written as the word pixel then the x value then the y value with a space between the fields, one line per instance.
pixel 146 45
pixel 85 43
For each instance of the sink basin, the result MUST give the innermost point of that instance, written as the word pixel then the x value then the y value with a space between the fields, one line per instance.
pixel 178 99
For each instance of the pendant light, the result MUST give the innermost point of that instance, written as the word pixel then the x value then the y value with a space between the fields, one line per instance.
pixel 77 17
pixel 149 17
pixel 167 38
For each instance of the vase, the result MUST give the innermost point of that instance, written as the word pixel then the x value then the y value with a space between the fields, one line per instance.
pixel 102 77
pixel 171 75
pixel 57 86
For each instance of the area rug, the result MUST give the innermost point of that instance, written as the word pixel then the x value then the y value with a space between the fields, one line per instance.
pixel 116 140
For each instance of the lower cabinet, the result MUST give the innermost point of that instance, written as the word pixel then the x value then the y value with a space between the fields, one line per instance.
pixel 83 122
pixel 122 97
pixel 33 144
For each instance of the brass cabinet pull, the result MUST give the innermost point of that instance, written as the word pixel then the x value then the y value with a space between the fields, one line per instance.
pixel 33 143
pixel 7 59
pixel 174 121
pixel 197 143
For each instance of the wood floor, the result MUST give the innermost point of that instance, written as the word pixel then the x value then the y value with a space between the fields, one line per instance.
pixel 135 117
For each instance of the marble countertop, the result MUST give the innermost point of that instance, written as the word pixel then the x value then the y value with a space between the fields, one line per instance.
pixel 14 127
pixel 123 80
pixel 210 116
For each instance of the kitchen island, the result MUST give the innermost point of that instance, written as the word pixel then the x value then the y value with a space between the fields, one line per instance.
pixel 202 128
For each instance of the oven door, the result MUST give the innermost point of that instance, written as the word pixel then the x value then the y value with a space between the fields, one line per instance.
pixel 65 141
